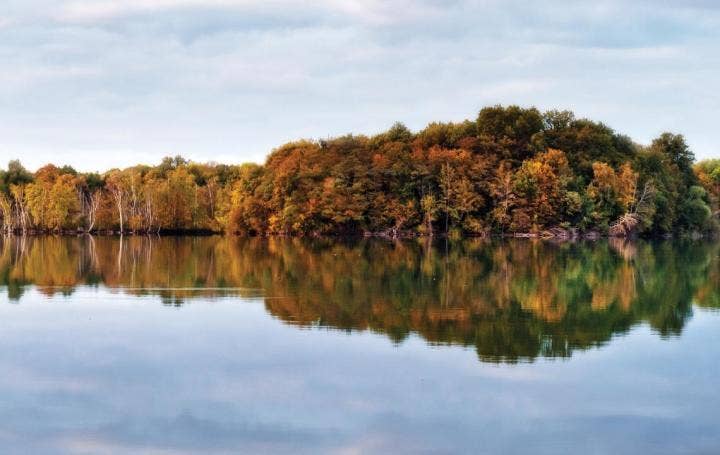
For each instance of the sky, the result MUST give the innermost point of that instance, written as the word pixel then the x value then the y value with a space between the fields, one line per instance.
pixel 102 84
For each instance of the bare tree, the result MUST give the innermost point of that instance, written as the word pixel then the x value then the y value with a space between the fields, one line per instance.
pixel 640 211
pixel 21 212
pixel 92 206
pixel 7 214
pixel 117 192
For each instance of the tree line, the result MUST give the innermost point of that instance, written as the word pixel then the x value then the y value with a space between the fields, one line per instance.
pixel 511 170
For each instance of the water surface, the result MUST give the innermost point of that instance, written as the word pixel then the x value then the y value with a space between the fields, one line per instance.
pixel 220 345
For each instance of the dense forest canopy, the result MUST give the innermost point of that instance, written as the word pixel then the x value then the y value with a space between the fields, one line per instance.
pixel 511 170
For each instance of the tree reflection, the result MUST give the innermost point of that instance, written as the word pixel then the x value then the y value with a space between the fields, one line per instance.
pixel 511 300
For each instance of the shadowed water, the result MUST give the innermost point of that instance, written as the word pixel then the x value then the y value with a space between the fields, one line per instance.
pixel 216 344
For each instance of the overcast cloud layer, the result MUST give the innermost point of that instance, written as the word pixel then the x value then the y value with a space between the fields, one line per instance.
pixel 100 84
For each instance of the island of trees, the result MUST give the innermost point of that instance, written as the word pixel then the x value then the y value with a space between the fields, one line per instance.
pixel 512 170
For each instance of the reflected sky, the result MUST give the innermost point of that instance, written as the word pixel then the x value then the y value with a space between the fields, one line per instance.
pixel 99 369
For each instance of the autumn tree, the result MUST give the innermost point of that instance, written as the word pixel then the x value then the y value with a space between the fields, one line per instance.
pixel 511 128
pixel 503 192
pixel 612 193
pixel 52 199
pixel 540 186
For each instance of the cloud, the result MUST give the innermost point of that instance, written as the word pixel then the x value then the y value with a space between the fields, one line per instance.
pixel 234 78
pixel 369 11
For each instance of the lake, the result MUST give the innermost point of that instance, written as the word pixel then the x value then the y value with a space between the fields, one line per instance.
pixel 227 345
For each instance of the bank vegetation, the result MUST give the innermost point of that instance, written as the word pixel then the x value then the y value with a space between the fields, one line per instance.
pixel 510 171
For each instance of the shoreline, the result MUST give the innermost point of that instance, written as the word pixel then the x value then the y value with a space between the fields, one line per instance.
pixel 550 235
